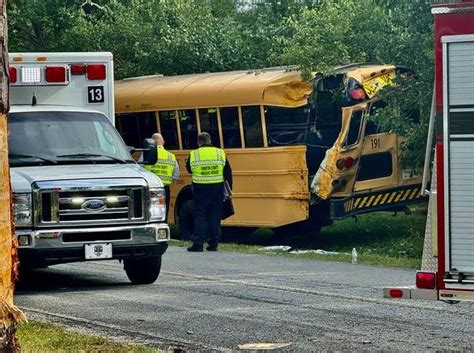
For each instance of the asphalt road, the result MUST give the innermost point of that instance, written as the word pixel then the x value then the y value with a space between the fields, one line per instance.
pixel 216 301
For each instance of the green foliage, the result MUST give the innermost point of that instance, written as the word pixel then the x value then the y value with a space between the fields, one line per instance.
pixel 37 337
pixel 186 36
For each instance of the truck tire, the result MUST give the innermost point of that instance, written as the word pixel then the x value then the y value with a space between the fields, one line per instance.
pixel 143 271
pixel 186 220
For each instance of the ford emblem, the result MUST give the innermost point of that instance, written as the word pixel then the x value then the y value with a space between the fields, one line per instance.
pixel 94 206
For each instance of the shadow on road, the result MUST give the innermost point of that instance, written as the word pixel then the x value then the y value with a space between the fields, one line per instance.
pixel 62 280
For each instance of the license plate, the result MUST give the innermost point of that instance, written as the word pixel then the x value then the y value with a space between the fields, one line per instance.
pixel 98 251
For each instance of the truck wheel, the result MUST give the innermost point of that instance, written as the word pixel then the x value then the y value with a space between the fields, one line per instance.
pixel 143 271
pixel 186 220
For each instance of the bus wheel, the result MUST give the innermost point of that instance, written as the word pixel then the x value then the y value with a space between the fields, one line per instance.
pixel 304 228
pixel 236 233
pixel 186 220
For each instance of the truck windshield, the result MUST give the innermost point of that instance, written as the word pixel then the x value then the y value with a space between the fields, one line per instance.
pixel 63 137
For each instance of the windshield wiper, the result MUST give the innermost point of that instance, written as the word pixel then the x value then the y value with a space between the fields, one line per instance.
pixel 19 155
pixel 79 155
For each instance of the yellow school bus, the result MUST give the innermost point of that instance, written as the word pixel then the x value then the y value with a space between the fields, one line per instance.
pixel 303 152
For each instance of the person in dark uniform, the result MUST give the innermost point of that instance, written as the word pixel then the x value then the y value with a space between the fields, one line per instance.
pixel 210 169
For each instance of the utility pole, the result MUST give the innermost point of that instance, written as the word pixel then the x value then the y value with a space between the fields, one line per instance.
pixel 10 316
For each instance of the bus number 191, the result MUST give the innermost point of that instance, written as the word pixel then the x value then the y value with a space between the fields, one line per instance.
pixel 375 143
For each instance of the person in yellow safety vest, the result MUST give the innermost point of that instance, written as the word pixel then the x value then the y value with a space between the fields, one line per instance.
pixel 166 167
pixel 209 168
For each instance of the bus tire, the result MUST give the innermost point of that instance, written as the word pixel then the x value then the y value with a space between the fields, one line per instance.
pixel 143 271
pixel 235 233
pixel 186 220
pixel 303 228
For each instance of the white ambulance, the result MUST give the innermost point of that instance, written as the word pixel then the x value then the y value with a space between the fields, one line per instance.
pixel 77 193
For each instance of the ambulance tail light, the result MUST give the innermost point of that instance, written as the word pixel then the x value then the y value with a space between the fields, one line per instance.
pixel 13 74
pixel 55 74
pixel 78 69
pixel 96 72
pixel 426 280
pixel 396 293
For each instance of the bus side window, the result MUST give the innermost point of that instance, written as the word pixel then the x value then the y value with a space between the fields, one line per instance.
pixel 371 126
pixel 187 123
pixel 168 129
pixel 354 129
pixel 252 126
pixel 230 127
pixel 136 127
pixel 285 126
pixel 208 121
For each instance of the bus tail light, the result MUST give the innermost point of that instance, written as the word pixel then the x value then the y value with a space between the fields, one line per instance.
pixel 96 72
pixel 349 162
pixel 357 94
pixel 425 280
pixel 345 163
pixel 13 74
pixel 56 74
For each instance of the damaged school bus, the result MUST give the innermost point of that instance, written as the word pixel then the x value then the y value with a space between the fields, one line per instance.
pixel 303 152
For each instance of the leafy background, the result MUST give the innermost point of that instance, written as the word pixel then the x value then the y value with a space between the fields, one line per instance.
pixel 186 36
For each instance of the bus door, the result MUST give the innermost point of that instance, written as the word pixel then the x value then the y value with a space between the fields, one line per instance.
pixel 378 162
pixel 337 173
pixel 380 183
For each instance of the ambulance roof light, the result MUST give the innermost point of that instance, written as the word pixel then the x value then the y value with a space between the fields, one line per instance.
pixel 96 72
pixel 56 74
pixel 78 69
pixel 30 74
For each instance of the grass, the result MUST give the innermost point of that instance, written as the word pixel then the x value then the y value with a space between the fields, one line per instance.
pixel 42 337
pixel 379 238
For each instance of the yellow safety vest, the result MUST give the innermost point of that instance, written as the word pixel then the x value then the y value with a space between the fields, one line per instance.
pixel 207 165
pixel 164 167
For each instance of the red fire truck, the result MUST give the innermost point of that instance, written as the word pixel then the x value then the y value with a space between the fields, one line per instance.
pixel 447 271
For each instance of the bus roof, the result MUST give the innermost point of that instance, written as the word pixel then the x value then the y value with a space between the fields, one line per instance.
pixel 282 87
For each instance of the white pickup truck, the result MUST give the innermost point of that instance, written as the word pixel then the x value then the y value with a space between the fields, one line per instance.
pixel 77 193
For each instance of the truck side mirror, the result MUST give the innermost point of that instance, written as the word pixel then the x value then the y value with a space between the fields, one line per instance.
pixel 150 154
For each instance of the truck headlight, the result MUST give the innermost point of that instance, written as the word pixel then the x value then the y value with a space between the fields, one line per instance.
pixel 157 205
pixel 22 210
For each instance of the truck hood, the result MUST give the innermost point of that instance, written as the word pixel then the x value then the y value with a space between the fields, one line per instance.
pixel 23 177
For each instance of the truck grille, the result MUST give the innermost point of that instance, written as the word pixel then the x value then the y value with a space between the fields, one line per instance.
pixel 97 236
pixel 77 205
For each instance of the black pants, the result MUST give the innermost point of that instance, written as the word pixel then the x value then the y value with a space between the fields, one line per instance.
pixel 167 200
pixel 207 210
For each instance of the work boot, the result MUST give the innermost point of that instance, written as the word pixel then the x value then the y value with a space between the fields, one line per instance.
pixel 212 247
pixel 195 248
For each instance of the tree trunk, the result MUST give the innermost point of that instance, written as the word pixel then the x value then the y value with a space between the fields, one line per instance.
pixel 10 316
